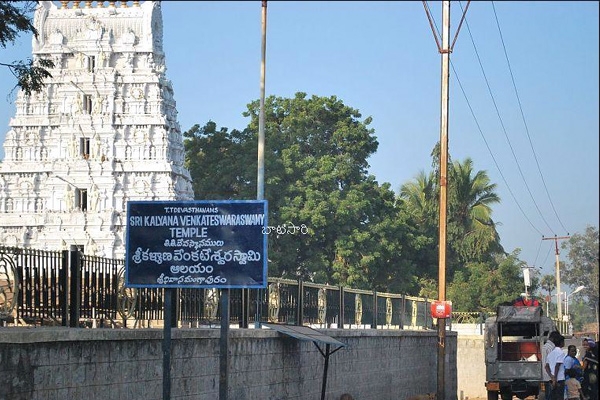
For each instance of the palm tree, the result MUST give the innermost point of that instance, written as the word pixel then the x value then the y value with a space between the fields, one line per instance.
pixel 471 196
pixel 472 234
pixel 420 198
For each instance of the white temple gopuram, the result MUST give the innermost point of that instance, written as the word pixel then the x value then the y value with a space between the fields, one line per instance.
pixel 103 131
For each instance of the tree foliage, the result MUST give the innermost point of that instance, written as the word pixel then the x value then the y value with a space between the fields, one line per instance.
pixel 581 268
pixel 316 151
pixel 316 175
pixel 581 314
pixel 14 20
pixel 358 232
pixel 472 235
pixel 419 198
pixel 475 260
pixel 482 286
pixel 548 283
pixel 220 162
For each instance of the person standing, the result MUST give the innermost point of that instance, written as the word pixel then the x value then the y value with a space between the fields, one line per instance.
pixel 590 369
pixel 546 349
pixel 573 386
pixel 556 369
pixel 571 362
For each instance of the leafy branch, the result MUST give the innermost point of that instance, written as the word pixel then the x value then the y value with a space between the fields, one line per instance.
pixel 30 74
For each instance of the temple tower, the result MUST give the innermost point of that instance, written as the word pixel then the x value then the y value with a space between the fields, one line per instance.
pixel 102 132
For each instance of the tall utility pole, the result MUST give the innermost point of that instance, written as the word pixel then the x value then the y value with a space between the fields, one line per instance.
pixel 445 51
pixel 260 179
pixel 558 300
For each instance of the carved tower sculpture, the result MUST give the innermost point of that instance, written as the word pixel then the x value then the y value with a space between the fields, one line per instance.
pixel 102 132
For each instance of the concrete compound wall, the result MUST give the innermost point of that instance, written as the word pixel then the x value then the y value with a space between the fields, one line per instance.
pixel 470 366
pixel 123 364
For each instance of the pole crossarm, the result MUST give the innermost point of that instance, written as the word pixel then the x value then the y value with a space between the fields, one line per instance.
pixel 435 34
pixel 460 25
pixel 555 238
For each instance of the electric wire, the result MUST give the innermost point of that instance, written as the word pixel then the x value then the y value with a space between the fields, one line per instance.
pixel 537 253
pixel 490 150
pixel 502 125
pixel 488 147
pixel 523 118
pixel 547 254
pixel 483 136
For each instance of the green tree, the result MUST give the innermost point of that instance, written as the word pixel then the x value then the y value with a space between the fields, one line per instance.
pixel 316 175
pixel 472 234
pixel 216 160
pixel 315 172
pixel 316 151
pixel 419 198
pixel 14 20
pixel 380 254
pixel 581 314
pixel 480 274
pixel 581 267
pixel 482 286
pixel 548 283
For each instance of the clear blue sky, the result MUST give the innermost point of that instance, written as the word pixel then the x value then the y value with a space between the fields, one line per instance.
pixel 381 58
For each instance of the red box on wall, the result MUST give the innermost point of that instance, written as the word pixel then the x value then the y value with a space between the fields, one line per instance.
pixel 441 309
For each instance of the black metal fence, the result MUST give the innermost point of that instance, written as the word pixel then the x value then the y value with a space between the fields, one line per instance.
pixel 71 289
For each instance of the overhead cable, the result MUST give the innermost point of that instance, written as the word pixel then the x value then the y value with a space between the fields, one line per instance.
pixel 523 118
pixel 490 151
pixel 503 127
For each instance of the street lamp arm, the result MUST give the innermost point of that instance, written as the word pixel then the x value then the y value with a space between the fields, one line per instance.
pixel 578 289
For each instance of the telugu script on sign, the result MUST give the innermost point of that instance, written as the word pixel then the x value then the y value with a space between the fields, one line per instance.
pixel 207 244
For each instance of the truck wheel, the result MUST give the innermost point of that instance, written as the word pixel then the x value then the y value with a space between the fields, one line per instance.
pixel 492 395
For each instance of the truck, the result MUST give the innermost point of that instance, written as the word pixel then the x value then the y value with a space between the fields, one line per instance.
pixel 513 342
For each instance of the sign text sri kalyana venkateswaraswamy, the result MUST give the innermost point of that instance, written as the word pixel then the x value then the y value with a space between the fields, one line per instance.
pixel 202 244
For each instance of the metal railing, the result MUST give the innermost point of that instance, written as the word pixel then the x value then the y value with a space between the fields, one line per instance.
pixel 39 287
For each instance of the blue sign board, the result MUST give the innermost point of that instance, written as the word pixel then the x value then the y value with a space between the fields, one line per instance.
pixel 198 244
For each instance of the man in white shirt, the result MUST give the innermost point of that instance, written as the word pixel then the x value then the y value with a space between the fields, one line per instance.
pixel 556 369
pixel 546 349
